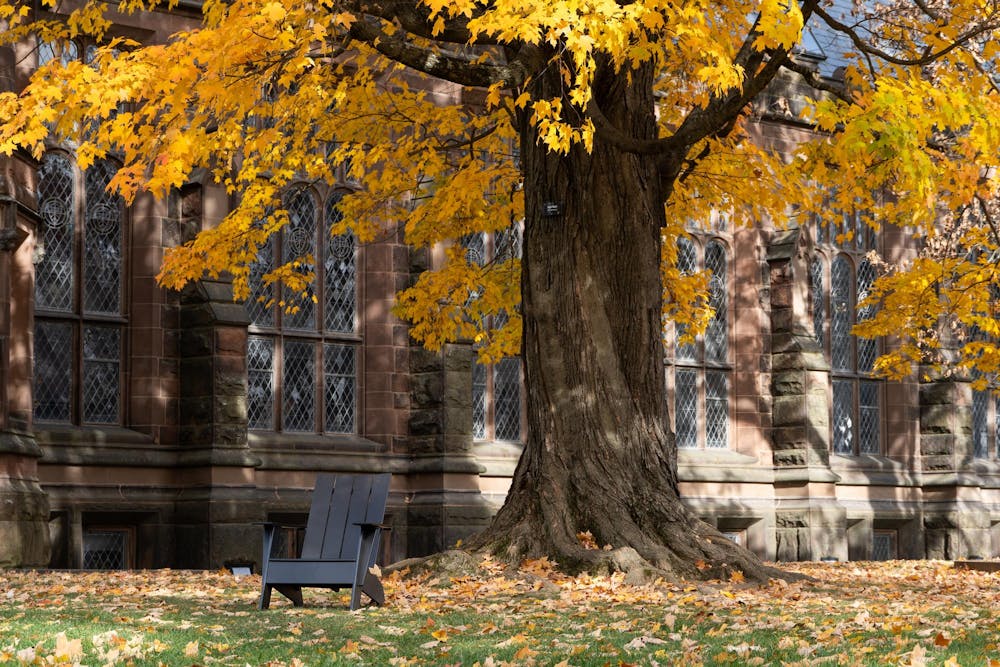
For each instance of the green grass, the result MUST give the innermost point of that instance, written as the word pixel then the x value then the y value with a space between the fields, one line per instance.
pixel 865 614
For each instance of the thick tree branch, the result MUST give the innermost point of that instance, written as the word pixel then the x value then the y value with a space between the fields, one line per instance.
pixel 439 64
pixel 414 18
pixel 814 80
pixel 617 137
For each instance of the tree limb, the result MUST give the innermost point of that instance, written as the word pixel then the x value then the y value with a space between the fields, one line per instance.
pixel 869 50
pixel 414 18
pixel 814 80
pixel 442 65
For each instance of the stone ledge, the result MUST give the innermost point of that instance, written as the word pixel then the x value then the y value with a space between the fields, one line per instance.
pixel 307 442
pixel 57 434
pixel 23 444
pixel 499 459
pixel 978 565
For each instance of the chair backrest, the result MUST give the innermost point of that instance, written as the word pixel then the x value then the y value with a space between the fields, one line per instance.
pixel 338 503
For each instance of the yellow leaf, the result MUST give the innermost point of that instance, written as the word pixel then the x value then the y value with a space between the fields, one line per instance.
pixel 524 653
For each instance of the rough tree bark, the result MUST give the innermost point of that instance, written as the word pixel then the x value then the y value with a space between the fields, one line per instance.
pixel 599 454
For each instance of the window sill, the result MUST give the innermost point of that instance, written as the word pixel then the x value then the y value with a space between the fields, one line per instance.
pixel 312 442
pixel 100 445
pixel 717 465
pixel 499 457
pixel 870 469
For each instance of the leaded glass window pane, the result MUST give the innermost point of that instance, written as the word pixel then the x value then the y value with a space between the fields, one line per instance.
pixel 687 264
pixel 720 221
pixel 980 416
pixel 717 333
pixel 101 373
pixel 884 545
pixel 478 401
pixel 298 385
pixel 340 273
pixel 54 274
pixel 102 247
pixel 818 298
pixel 686 408
pixel 867 347
pixel 840 304
pixel 507 399
pixel 820 231
pixel 105 550
pixel 868 417
pixel 846 232
pixel 261 313
pixel 475 248
pixel 299 241
pixel 340 379
pixel 996 424
pixel 716 410
pixel 66 51
pixel 53 350
pixel 843 420
pixel 507 243
pixel 260 382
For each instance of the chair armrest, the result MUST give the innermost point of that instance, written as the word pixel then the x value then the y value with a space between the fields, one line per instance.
pixel 383 526
pixel 273 524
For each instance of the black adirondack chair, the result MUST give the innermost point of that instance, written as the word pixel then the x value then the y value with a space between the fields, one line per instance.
pixel 340 544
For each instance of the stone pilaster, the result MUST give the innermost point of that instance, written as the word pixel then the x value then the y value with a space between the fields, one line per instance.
pixel 24 507
pixel 446 503
pixel 955 522
pixel 807 515
pixel 945 422
pixel 214 520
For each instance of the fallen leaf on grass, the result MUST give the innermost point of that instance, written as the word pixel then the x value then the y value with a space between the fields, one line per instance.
pixel 525 652
pixel 641 642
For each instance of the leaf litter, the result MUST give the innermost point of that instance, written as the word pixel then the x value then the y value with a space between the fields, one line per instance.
pixel 914 613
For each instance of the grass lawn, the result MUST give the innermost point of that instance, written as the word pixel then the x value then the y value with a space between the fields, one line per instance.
pixel 895 613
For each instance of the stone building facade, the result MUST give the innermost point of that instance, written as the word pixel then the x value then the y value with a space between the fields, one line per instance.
pixel 146 428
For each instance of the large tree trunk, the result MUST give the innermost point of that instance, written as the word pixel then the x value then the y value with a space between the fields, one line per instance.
pixel 599 455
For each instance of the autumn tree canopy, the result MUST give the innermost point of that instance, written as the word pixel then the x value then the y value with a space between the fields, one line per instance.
pixel 607 127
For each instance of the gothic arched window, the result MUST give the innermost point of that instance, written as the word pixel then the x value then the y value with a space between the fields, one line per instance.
pixel 79 312
pixel 699 374
pixel 302 366
pixel 496 388
pixel 842 276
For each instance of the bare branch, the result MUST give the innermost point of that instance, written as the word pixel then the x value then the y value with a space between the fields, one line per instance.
pixel 869 50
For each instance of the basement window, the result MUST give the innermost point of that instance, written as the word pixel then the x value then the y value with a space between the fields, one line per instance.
pixel 884 544
pixel 108 548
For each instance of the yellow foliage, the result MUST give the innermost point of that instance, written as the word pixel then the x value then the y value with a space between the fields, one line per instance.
pixel 267 93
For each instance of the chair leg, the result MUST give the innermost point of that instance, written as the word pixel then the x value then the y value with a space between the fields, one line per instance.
pixel 358 585
pixel 373 589
pixel 293 593
pixel 265 596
